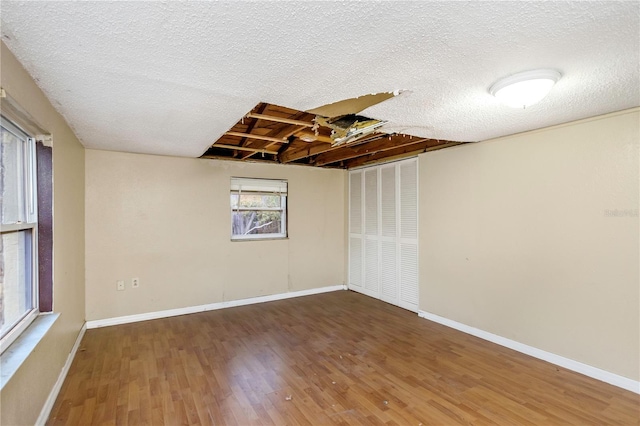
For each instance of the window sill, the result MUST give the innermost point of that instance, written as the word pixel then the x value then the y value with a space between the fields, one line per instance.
pixel 23 346
pixel 235 240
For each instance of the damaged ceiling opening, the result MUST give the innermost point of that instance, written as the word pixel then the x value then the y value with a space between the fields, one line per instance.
pixel 333 135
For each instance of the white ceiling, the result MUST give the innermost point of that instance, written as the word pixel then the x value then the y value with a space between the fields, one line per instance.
pixel 171 77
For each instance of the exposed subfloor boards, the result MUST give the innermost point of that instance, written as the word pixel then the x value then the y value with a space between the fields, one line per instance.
pixel 333 358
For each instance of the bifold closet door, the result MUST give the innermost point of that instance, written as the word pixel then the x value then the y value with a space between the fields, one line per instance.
pixel 383 231
pixel 355 231
pixel 371 252
pixel 388 233
pixel 408 254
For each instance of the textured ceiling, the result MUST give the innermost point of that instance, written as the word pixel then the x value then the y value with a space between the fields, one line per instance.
pixel 170 78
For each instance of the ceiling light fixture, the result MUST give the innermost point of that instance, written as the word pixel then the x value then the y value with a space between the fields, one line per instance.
pixel 526 88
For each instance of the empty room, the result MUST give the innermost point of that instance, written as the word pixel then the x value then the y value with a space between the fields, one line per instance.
pixel 282 213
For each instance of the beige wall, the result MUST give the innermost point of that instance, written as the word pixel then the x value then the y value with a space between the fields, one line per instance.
pixel 166 221
pixel 23 397
pixel 517 239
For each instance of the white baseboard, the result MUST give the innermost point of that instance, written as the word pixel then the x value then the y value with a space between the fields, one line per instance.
pixel 53 395
pixel 209 307
pixel 569 364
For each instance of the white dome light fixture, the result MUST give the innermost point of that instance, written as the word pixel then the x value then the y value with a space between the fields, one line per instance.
pixel 526 88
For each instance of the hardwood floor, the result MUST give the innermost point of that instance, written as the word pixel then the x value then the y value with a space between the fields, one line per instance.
pixel 333 358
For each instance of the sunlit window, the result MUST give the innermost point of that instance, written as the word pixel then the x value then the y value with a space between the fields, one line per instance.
pixel 18 251
pixel 258 208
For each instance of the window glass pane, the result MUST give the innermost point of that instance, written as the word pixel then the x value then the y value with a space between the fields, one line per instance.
pixel 256 222
pixel 16 297
pixel 258 208
pixel 12 177
pixel 257 200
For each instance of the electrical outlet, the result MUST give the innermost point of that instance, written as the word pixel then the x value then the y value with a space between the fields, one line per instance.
pixel 135 282
pixel 120 285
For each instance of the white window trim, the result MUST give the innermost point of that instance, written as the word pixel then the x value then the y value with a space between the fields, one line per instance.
pixel 266 187
pixel 30 224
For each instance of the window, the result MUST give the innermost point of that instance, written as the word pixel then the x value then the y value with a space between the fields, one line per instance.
pixel 18 245
pixel 258 209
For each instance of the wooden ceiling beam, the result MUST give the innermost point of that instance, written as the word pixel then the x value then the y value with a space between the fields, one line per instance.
pixel 222 157
pixel 292 154
pixel 293 130
pixel 348 152
pixel 285 133
pixel 277 133
pixel 396 154
pixel 244 148
pixel 319 137
pixel 280 119
pixel 261 108
pixel 282 133
pixel 259 137
pixel 312 149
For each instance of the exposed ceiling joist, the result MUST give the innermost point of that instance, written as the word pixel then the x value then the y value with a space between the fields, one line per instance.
pixel 284 135
pixel 348 152
pixel 280 132
pixel 260 108
pixel 396 154
pixel 244 148
pixel 290 156
pixel 308 136
pixel 279 119
pixel 256 136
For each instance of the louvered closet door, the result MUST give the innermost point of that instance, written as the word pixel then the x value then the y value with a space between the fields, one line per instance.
pixel 388 244
pixel 408 234
pixel 383 232
pixel 371 246
pixel 355 231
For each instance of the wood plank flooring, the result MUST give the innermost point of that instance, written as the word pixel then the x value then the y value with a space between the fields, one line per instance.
pixel 334 358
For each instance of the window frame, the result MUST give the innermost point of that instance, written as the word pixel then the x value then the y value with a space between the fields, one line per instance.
pixel 260 186
pixel 28 172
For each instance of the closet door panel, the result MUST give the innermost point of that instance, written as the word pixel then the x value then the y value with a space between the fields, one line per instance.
pixel 355 203
pixel 388 201
pixel 409 200
pixel 389 272
pixel 409 276
pixel 371 202
pixel 356 228
pixel 371 267
pixel 355 262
